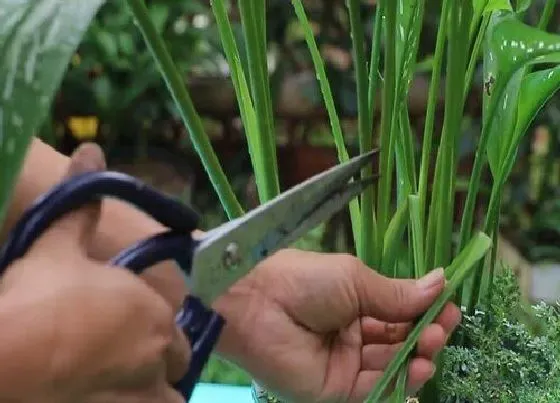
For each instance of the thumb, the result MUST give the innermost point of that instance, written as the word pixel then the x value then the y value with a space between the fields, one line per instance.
pixel 397 300
pixel 77 227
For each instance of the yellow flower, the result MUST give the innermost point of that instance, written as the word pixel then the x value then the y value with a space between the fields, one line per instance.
pixel 83 127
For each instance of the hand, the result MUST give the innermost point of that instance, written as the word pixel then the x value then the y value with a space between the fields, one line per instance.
pixel 81 331
pixel 317 327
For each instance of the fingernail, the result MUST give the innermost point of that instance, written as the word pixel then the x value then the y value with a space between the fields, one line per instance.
pixel 431 279
pixel 433 372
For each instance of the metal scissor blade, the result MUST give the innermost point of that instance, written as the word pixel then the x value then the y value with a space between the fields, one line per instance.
pixel 337 202
pixel 230 251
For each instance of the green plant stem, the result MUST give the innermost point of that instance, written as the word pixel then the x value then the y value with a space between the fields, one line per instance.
pixel 253 16
pixel 472 191
pixel 387 119
pixel 374 78
pixel 479 160
pixel 405 155
pixel 186 108
pixel 366 251
pixel 475 55
pixel 374 64
pixel 417 234
pixel 447 153
pixel 431 109
pixel 408 42
pixel 242 92
pixel 475 22
pixel 331 109
pixel 547 14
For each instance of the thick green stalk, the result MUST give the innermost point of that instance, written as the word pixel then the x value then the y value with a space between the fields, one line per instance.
pixel 331 109
pixel 474 184
pixel 186 108
pixel 252 16
pixel 406 178
pixel 374 79
pixel 468 82
pixel 454 105
pixel 440 223
pixel 431 108
pixel 366 251
pixel 387 119
pixel 417 235
pixel 408 42
pixel 374 63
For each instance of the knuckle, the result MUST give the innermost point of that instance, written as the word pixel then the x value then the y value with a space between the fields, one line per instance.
pixel 350 262
pixel 400 296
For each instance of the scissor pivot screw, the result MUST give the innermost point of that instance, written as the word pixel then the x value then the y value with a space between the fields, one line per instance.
pixel 231 256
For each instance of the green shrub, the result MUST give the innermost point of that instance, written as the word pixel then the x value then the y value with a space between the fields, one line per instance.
pixel 503 359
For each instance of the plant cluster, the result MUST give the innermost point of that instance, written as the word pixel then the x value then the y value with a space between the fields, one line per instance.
pixel 504 359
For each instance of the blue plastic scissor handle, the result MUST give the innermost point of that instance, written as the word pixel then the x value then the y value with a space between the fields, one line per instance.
pixel 201 325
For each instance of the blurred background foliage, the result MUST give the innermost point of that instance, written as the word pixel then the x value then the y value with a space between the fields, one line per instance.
pixel 113 94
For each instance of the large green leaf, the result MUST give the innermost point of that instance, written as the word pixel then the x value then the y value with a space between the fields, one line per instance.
pixel 37 40
pixel 513 94
pixel 503 124
pixel 536 90
pixel 512 98
pixel 510 46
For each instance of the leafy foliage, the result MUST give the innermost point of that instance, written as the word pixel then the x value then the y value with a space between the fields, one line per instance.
pixel 37 40
pixel 113 75
pixel 503 359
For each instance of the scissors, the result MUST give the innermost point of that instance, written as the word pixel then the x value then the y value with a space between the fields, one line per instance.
pixel 213 263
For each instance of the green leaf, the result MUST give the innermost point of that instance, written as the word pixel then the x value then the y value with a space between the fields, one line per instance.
pixel 37 40
pixel 176 85
pixel 253 17
pixel 536 90
pixel 330 106
pixel 417 231
pixel 394 234
pixel 126 43
pixel 159 13
pixel 456 273
pixel 503 124
pixel 399 394
pixel 246 106
pixel 511 46
pixel 108 44
pixel 366 248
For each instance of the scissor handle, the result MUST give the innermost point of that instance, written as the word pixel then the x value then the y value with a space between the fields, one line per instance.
pixel 201 325
pixel 81 189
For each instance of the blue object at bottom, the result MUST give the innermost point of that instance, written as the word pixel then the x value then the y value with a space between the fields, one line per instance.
pixel 212 392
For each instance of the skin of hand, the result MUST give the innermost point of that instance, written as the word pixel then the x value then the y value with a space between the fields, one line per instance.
pixel 312 327
pixel 316 327
pixel 79 330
